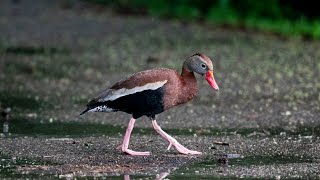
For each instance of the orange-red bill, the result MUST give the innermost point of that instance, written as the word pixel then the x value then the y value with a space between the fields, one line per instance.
pixel 211 80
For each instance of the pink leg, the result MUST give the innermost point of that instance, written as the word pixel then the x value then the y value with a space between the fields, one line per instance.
pixel 126 140
pixel 162 176
pixel 172 141
pixel 126 177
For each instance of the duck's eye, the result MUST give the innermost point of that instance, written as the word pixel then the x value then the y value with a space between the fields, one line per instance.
pixel 203 66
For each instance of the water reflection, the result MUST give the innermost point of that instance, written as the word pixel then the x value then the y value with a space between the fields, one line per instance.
pixel 5 118
pixel 158 176
pixel 219 161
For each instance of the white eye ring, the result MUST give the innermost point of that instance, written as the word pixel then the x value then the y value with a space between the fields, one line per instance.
pixel 203 66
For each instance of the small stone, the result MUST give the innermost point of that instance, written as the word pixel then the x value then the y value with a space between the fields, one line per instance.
pixel 283 134
pixel 287 113
pixel 213 147
pixel 223 160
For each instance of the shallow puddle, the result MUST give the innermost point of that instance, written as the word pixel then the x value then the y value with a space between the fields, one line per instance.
pixel 235 165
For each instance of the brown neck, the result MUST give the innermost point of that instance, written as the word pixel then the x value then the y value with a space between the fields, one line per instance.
pixel 186 74
pixel 190 86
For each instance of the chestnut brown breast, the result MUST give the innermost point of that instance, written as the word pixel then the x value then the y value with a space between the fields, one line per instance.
pixel 179 89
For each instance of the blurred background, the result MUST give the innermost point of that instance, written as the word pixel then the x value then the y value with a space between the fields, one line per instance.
pixel 284 17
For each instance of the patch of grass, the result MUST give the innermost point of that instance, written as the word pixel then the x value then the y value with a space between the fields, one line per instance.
pixel 40 67
pixel 32 50
pixel 80 99
pixel 37 61
pixel 23 101
pixel 25 126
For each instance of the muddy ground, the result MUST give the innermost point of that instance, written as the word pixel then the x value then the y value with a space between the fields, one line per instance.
pixel 56 55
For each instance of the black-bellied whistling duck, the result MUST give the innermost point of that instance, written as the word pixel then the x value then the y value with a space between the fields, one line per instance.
pixel 151 92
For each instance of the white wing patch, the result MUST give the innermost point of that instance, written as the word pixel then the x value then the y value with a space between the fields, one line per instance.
pixel 117 93
pixel 103 108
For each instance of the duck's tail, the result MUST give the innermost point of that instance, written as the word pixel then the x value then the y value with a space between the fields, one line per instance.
pixel 86 110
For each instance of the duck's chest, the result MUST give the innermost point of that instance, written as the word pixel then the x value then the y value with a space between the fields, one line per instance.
pixel 179 93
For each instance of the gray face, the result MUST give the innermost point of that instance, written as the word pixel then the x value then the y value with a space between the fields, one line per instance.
pixel 199 65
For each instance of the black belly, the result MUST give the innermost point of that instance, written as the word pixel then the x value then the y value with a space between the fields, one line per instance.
pixel 145 103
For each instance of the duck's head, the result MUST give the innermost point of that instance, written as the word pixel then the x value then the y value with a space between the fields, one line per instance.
pixel 201 64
